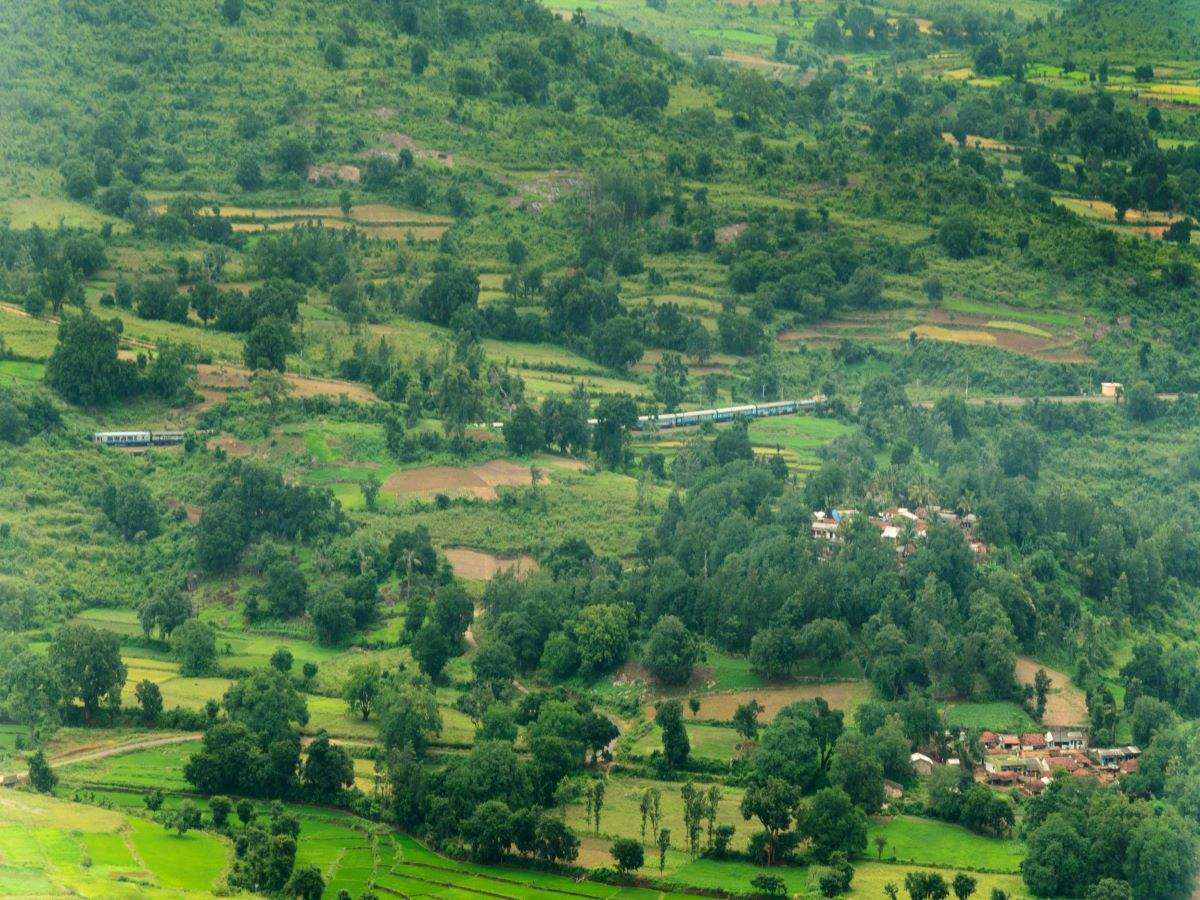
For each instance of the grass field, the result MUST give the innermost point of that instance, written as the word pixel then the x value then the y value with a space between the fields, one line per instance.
pixel 926 842
pixel 52 847
pixel 997 716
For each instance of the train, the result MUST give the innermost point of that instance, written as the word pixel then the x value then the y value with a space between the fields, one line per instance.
pixel 138 438
pixel 727 413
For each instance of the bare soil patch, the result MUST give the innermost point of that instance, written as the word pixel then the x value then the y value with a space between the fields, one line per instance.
pixel 398 141
pixel 727 234
pixel 331 172
pixel 1065 704
pixel 563 462
pixel 478 565
pixel 757 62
pixel 478 481
pixel 222 377
pixel 231 445
pixel 838 694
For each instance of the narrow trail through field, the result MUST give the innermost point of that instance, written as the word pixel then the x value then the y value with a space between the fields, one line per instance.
pixel 84 755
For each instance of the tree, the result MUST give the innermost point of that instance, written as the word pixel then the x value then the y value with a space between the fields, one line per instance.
pixel 332 616
pixel 602 636
pixel 773 652
pixel 149 698
pixel 293 156
pixel 89 667
pixel 41 776
pixel 615 415
pixel 963 885
pixel 958 236
pixel 1041 689
pixel 245 811
pixel 84 368
pixel 327 768
pixel 166 610
pixel 418 59
pixel 130 507
pixel 769 885
pixel 745 719
pixel 267 703
pixel 306 883
pixel 231 10
pixel 194 644
pixel 1110 889
pixel 594 797
pixel 370 490
pixel 554 842
pixel 1161 858
pixel 268 344
pixel 825 640
pixel 668 714
pixel 220 807
pixel 832 822
pixel 524 433
pixel 248 174
pixel 488 831
pixel 670 380
pixel 281 660
pixel 857 771
pixel 1056 861
pixel 494 665
pixel 29 689
pixel 1141 404
pixel 771 801
pixel 664 844
pixel 1021 450
pixel 789 751
pixel 153 801
pixel 186 818
pixel 272 388
pixel 452 288
pixel 671 651
pixel 432 649
pixel 1149 717
pixel 362 687
pixel 628 854
pixel 408 718
pixel 926 886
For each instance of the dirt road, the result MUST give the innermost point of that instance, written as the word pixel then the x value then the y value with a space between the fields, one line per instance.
pixel 84 755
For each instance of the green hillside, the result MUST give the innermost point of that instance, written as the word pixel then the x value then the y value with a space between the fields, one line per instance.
pixel 1128 32
pixel 611 449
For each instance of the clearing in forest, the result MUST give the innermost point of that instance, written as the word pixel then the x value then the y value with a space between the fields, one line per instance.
pixel 1065 704
pixel 478 481
pixel 478 565
pixel 844 695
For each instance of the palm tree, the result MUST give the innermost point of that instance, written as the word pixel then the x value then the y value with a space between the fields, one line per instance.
pixel 880 843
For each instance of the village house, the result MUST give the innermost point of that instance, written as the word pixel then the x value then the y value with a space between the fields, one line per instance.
pixel 1113 757
pixel 1033 741
pixel 895 524
pixel 1066 739
pixel 921 763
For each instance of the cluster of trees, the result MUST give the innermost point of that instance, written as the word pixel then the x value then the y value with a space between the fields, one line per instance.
pixel 253 749
pixel 84 367
pixel 25 416
pixel 1083 838
pixel 78 679
pixel 45 270
pixel 250 501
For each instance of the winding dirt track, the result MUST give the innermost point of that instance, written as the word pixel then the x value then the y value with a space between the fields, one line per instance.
pixel 84 755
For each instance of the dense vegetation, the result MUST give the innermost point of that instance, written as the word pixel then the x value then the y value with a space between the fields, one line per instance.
pixel 405 275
